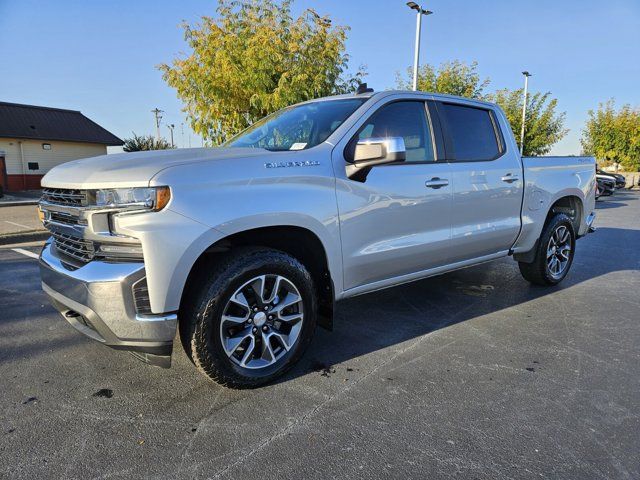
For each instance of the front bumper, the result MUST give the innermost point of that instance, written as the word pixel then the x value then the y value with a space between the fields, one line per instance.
pixel 97 299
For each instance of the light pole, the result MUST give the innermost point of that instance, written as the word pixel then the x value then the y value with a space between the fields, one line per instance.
pixel 416 54
pixel 524 109
pixel 171 127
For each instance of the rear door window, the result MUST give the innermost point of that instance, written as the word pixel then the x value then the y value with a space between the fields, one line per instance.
pixel 472 131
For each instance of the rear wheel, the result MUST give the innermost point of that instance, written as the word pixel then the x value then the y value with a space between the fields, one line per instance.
pixel 252 319
pixel 554 254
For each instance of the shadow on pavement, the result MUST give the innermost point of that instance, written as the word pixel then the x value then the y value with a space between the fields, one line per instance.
pixel 378 320
pixel 609 203
pixel 25 311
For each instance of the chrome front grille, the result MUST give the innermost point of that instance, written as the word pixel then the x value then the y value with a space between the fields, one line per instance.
pixel 86 250
pixel 65 196
pixel 74 247
pixel 65 218
pixel 67 214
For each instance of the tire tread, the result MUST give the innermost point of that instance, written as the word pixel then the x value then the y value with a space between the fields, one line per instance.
pixel 216 282
pixel 536 271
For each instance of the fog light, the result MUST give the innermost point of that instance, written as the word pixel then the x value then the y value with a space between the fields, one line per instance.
pixel 120 249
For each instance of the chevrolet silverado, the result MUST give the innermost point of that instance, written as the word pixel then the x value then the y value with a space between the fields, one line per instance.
pixel 245 248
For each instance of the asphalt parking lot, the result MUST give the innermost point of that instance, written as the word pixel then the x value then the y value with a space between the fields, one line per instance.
pixel 474 374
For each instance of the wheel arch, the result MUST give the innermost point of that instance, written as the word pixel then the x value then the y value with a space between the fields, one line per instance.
pixel 572 205
pixel 299 242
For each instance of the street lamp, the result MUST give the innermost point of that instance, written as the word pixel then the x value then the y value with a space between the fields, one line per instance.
pixel 420 11
pixel 171 127
pixel 524 109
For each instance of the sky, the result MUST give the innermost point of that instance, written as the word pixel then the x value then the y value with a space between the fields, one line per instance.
pixel 100 57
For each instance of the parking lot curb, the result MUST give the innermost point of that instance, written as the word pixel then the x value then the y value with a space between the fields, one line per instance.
pixel 22 237
pixel 18 203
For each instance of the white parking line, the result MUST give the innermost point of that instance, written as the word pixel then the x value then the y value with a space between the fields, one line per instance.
pixel 26 252
pixel 18 224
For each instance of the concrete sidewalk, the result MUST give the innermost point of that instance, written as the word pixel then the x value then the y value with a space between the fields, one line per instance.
pixel 20 223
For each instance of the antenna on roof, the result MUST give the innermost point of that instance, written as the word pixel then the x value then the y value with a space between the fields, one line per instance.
pixel 362 88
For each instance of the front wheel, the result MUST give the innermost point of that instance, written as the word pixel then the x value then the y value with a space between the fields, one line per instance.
pixel 252 319
pixel 554 254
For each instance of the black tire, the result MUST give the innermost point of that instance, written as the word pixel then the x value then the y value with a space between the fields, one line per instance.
pixel 202 315
pixel 538 271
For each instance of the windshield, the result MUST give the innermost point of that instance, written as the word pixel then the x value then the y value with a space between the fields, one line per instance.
pixel 297 128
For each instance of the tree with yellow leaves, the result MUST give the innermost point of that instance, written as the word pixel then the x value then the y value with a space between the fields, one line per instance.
pixel 253 59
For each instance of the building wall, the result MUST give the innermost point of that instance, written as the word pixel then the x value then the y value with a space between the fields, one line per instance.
pixel 46 159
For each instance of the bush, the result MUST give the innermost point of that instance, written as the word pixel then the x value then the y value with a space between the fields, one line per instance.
pixel 144 142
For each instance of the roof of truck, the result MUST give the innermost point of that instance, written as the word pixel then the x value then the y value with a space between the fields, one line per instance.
pixel 386 93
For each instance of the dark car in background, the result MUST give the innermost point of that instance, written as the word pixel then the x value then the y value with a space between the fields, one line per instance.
pixel 606 185
pixel 619 180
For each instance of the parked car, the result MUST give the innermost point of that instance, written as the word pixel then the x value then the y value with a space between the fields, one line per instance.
pixel 620 180
pixel 598 190
pixel 606 184
pixel 247 247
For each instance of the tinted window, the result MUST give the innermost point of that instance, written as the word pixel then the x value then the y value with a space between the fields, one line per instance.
pixel 402 119
pixel 472 132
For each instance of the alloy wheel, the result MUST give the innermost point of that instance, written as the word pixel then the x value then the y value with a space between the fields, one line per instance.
pixel 261 321
pixel 559 251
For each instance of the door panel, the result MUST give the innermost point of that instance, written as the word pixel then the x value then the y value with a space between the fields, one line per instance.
pixel 393 224
pixel 396 221
pixel 486 209
pixel 487 182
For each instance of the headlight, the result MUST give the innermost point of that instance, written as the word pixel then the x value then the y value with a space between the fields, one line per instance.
pixel 138 198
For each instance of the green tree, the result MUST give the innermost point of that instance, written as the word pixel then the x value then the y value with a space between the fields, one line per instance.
pixel 544 126
pixel 613 135
pixel 144 142
pixel 254 58
pixel 453 78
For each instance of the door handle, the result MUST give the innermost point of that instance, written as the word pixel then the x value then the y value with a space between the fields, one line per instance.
pixel 509 178
pixel 436 182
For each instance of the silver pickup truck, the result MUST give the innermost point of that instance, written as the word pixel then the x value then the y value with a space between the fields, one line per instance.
pixel 244 249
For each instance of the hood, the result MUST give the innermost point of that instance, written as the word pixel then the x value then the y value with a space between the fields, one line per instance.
pixel 133 169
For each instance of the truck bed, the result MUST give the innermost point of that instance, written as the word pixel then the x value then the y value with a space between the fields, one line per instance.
pixel 546 180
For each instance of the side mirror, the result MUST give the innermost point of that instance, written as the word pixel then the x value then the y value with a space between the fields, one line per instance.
pixel 378 151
